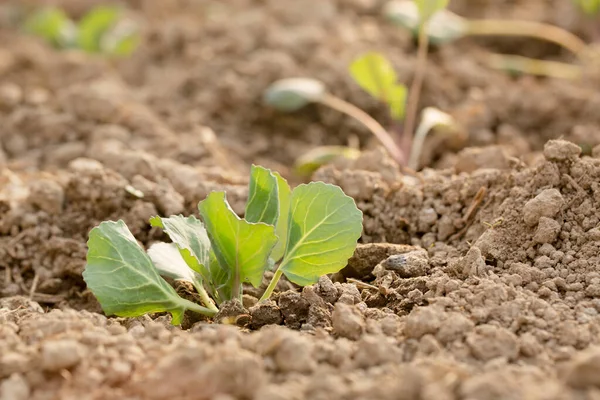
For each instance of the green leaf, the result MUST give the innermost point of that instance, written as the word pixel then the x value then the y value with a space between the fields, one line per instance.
pixel 294 93
pixel 590 7
pixel 168 261
pixel 284 193
pixel 190 237
pixel 324 226
pixel 263 199
pixel 94 25
pixel 241 247
pixel 397 103
pixel 122 45
pixel 427 8
pixel 120 40
pixel 123 278
pixel 375 75
pixel 53 25
pixel 193 243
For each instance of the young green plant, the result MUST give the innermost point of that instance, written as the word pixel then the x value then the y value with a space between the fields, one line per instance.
pixel 102 30
pixel 589 7
pixel 292 94
pixel 375 74
pixel 426 10
pixel 303 233
pixel 446 26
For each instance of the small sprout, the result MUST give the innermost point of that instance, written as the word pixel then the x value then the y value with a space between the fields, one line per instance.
pixel 53 25
pixel 589 7
pixel 444 26
pixel 427 9
pixel 294 93
pixel 430 118
pixel 312 230
pixel 375 75
pixel 101 30
pixel 319 156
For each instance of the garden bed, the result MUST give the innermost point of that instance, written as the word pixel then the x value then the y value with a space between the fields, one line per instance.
pixel 498 291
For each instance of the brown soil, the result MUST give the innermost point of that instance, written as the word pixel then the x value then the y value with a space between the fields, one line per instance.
pixel 477 279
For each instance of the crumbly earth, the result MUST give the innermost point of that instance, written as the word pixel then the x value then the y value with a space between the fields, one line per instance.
pixel 477 278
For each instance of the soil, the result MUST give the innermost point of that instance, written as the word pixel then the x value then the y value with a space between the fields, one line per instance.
pixel 475 279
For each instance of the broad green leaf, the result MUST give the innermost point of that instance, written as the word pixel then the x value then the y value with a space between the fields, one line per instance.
pixel 190 237
pixel 294 93
pixel 309 162
pixel 168 261
pixel 427 8
pixel 324 225
pixel 263 199
pixel 53 25
pixel 123 278
pixel 375 74
pixel 94 25
pixel 284 192
pixel 240 246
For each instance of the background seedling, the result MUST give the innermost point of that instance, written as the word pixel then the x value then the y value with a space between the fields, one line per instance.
pixel 446 26
pixel 375 74
pixel 102 30
pixel 294 93
pixel 310 231
pixel 589 7
pixel 426 10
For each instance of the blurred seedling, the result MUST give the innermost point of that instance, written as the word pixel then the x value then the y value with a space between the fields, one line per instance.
pixel 103 30
pixel 589 7
pixel 374 74
pixel 445 26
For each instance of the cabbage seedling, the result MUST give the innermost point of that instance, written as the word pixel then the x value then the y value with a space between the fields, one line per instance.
pixel 306 233
pixel 101 30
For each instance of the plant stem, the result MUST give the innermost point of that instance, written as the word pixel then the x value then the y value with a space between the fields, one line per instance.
pixel 206 300
pixel 189 305
pixel 533 66
pixel 272 285
pixel 417 146
pixel 414 92
pixel 538 30
pixel 371 124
